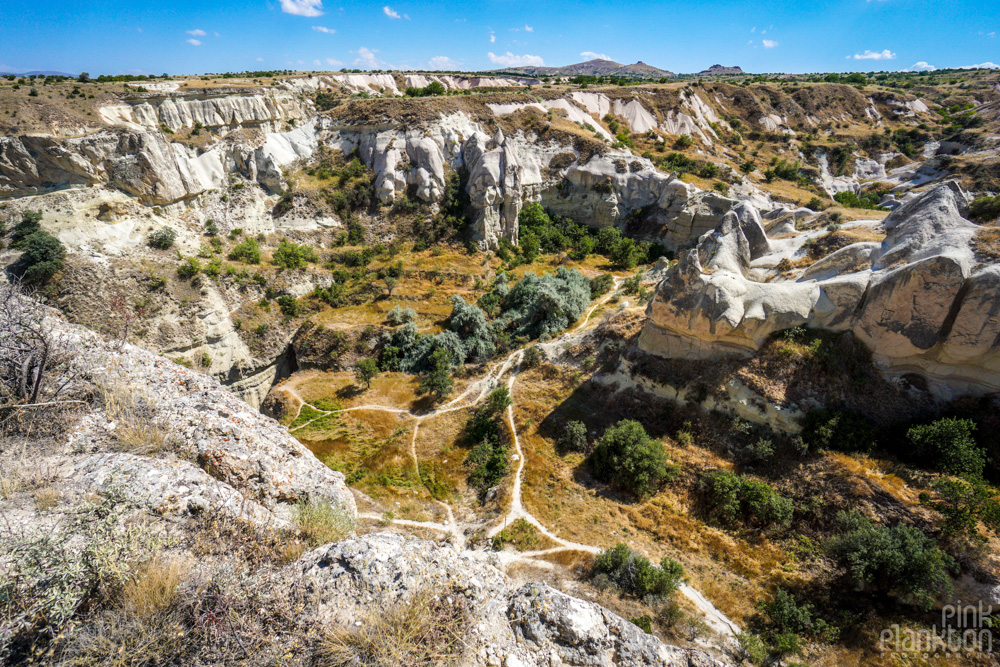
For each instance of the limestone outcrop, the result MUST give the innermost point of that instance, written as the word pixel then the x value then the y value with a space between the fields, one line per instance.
pixel 921 300
pixel 213 450
pixel 532 625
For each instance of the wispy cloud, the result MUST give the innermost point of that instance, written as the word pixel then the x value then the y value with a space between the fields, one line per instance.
pixel 333 62
pixel 324 29
pixel 493 38
pixel 194 42
pixel 528 28
pixel 367 58
pixel 875 55
pixel 390 12
pixel 986 65
pixel 590 55
pixel 442 62
pixel 512 60
pixel 769 43
pixel 197 33
pixel 260 60
pixel 302 7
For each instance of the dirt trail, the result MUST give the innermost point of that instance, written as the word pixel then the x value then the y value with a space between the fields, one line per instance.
pixel 481 389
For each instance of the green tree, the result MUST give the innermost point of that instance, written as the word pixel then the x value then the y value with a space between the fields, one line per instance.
pixel 633 574
pixel 574 437
pixel 43 258
pixel 948 445
pixel 898 560
pixel 964 504
pixel 29 224
pixel 390 285
pixel 437 381
pixel 365 371
pixel 627 457
pixel 163 238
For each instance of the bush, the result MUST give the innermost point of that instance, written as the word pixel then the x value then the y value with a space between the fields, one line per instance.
pixel 321 523
pixel 866 200
pixel 601 284
pixel 532 357
pixel 470 324
pixel 399 315
pixel 484 431
pixel 898 560
pixel 633 574
pixel 825 429
pixel 189 268
pixel 985 209
pixel 42 258
pixel 437 381
pixel 246 251
pixel 947 445
pixel 289 305
pixel 543 306
pixel 626 254
pixel 735 499
pixel 29 224
pixel 628 458
pixel 574 437
pixel 964 504
pixel 290 255
pixel 163 238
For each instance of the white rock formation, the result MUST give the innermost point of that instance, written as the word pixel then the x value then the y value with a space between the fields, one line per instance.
pixel 921 300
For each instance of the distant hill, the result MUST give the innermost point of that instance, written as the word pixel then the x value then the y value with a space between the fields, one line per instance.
pixel 639 70
pixel 38 72
pixel 720 69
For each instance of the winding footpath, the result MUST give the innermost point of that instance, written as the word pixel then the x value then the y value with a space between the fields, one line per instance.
pixel 479 390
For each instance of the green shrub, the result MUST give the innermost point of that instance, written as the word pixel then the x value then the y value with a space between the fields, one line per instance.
pixel 290 255
pixel 947 445
pixel 574 437
pixel 630 573
pixel 532 357
pixel 826 429
pixel 289 305
pixel 189 268
pixel 246 251
pixel 163 238
pixel 29 224
pixel 964 504
pixel 437 381
pixel 485 432
pixel 601 284
pixel 42 258
pixel 900 560
pixel 733 498
pixel 866 200
pixel 399 315
pixel 628 458
pixel 985 208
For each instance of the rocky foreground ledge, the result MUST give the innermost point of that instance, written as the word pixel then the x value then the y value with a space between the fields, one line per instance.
pixel 164 476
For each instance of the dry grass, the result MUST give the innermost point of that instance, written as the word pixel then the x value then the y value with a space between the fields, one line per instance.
pixel 134 415
pixel 426 631
pixel 986 244
pixel 321 523
pixel 46 499
pixel 154 586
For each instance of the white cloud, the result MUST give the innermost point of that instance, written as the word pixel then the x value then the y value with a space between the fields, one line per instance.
pixel 511 60
pixel 769 43
pixel 333 62
pixel 986 65
pixel 194 42
pixel 753 29
pixel 197 33
pixel 302 7
pixel 528 28
pixel 590 55
pixel 875 55
pixel 442 62
pixel 324 29
pixel 922 66
pixel 260 60
pixel 367 58
pixel 390 12
pixel 493 38
pixel 317 63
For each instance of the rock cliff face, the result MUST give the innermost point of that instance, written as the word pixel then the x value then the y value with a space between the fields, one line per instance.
pixel 213 451
pixel 921 300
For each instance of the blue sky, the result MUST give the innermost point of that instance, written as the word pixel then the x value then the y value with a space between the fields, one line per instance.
pixel 189 36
